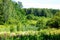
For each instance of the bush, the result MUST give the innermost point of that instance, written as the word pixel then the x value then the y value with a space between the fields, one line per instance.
pixel 41 24
pixel 13 28
pixel 30 17
pixel 54 22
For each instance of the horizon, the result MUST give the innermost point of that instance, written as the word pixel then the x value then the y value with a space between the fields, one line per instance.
pixel 50 4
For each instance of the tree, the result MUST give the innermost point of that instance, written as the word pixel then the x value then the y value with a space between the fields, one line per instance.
pixel 57 13
pixel 14 12
pixel 55 21
pixel 3 10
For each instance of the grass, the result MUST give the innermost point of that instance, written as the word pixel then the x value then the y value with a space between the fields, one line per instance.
pixel 6 33
pixel 45 34
pixel 14 28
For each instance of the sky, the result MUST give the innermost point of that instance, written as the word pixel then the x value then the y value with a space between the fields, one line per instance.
pixel 55 4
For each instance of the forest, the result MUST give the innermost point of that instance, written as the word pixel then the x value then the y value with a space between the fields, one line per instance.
pixel 18 23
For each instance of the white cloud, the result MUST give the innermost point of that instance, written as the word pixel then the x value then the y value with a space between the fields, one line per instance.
pixel 41 3
pixel 38 5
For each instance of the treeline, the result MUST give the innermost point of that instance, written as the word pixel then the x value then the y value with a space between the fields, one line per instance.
pixel 13 13
pixel 41 12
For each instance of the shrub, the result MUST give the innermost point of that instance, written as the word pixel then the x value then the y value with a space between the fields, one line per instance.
pixel 13 28
pixel 40 24
pixel 54 22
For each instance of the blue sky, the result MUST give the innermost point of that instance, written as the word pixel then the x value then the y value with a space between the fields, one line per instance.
pixel 55 4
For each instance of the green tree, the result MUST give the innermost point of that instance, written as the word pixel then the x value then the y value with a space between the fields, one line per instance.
pixel 3 10
pixel 55 21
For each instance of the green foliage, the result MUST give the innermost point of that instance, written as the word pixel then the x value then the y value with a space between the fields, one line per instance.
pixel 15 19
pixel 57 14
pixel 54 22
pixel 30 17
pixel 51 34
pixel 41 12
pixel 13 28
pixel 41 24
pixel 1 13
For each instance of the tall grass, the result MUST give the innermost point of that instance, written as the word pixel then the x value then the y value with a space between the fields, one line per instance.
pixel 46 34
pixel 15 28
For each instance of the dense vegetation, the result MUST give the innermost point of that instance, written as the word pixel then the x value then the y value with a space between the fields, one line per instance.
pixel 14 18
pixel 51 34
